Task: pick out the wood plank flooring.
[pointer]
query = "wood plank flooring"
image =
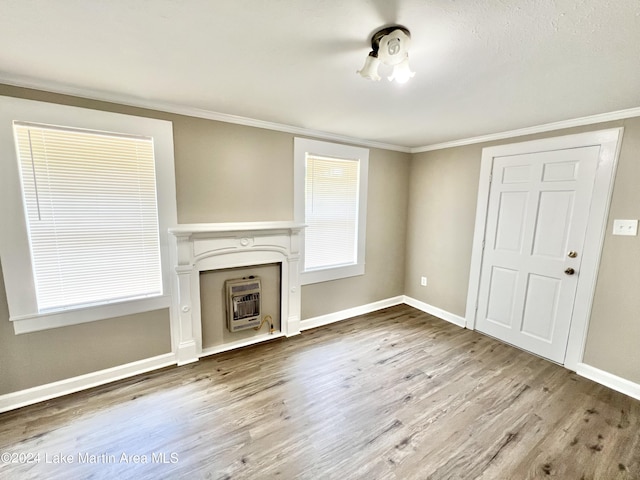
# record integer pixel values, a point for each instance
(396, 394)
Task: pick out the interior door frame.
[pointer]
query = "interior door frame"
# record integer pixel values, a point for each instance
(609, 141)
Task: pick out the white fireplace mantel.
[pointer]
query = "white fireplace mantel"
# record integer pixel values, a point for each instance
(212, 246)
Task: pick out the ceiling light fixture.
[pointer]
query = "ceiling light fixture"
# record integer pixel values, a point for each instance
(389, 46)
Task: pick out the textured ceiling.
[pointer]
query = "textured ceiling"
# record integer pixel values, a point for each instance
(481, 66)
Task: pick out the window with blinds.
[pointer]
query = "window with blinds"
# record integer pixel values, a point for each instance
(331, 212)
(92, 216)
(330, 192)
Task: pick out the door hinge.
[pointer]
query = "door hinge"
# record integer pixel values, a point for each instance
(490, 177)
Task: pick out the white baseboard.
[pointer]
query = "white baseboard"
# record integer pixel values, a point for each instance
(48, 391)
(350, 312)
(607, 379)
(435, 311)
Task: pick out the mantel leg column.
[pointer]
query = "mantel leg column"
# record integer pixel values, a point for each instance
(187, 346)
(295, 294)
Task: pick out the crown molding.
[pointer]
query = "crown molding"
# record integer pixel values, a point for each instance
(547, 127)
(132, 101)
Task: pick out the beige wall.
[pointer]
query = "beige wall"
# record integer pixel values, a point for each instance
(442, 202)
(37, 358)
(231, 173)
(442, 205)
(224, 173)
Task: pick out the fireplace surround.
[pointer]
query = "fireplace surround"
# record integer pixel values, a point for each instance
(211, 246)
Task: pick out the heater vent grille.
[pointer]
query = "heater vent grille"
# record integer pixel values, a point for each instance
(243, 303)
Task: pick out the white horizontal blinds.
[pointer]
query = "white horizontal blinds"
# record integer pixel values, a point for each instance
(331, 212)
(92, 215)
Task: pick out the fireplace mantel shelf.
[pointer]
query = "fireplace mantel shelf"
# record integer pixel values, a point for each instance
(235, 227)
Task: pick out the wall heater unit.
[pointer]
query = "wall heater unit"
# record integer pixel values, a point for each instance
(243, 303)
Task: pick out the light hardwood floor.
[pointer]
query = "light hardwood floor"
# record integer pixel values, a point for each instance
(396, 394)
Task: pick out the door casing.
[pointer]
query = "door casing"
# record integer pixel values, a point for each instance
(609, 141)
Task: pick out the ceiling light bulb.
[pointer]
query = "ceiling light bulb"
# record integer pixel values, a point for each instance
(401, 72)
(370, 69)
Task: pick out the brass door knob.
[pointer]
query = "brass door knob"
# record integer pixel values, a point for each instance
(572, 254)
(569, 271)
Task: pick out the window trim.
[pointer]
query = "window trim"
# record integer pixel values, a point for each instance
(14, 243)
(302, 146)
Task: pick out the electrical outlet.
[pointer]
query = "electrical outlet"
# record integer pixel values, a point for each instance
(423, 281)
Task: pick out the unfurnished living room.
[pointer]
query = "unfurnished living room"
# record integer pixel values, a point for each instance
(373, 239)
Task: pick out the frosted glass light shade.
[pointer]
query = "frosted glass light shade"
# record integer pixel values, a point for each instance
(401, 72)
(370, 68)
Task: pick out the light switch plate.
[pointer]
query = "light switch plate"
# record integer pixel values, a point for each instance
(625, 227)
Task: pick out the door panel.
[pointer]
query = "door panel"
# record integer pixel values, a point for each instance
(509, 230)
(541, 307)
(501, 293)
(516, 174)
(560, 172)
(538, 210)
(552, 226)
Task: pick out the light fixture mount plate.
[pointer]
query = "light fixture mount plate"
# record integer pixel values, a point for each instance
(391, 42)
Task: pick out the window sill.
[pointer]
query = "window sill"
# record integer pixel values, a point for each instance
(64, 318)
(328, 274)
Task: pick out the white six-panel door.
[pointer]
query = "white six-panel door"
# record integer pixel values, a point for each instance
(537, 219)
